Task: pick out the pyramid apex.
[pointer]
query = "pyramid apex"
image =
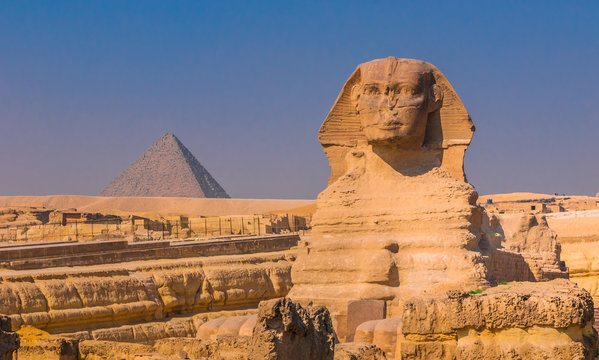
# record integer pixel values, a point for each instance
(169, 138)
(168, 135)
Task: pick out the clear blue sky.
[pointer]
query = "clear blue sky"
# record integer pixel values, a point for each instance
(87, 86)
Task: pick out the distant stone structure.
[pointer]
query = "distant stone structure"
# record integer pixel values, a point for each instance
(538, 204)
(168, 168)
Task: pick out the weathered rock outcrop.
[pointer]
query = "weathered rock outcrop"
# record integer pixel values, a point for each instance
(578, 234)
(228, 326)
(9, 341)
(109, 350)
(280, 330)
(358, 351)
(520, 247)
(285, 330)
(107, 296)
(550, 320)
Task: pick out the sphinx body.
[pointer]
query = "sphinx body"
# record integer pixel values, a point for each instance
(398, 218)
(381, 234)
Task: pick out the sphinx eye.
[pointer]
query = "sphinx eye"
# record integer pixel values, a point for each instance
(394, 90)
(410, 90)
(372, 90)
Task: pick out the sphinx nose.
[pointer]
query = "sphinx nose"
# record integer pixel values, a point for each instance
(391, 103)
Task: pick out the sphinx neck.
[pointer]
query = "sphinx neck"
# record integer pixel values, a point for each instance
(408, 161)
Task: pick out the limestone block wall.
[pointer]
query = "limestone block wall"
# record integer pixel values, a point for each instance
(67, 300)
(521, 247)
(578, 232)
(69, 253)
(551, 320)
(278, 329)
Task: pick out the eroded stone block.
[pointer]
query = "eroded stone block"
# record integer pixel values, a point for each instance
(360, 311)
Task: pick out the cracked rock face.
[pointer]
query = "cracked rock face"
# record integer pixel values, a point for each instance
(519, 320)
(358, 351)
(550, 320)
(286, 330)
(9, 341)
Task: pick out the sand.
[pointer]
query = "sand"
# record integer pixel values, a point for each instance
(163, 205)
(522, 196)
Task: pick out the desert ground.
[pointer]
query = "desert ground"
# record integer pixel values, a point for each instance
(155, 205)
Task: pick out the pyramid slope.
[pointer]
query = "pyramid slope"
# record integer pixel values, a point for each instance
(167, 168)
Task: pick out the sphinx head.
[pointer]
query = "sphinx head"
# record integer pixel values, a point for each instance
(394, 99)
(404, 104)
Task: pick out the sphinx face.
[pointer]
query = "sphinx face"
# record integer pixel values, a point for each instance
(394, 110)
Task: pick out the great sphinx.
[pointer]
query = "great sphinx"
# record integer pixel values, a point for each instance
(398, 218)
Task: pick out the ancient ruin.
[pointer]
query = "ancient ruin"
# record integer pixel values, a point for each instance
(551, 320)
(575, 220)
(29, 225)
(398, 218)
(400, 262)
(168, 168)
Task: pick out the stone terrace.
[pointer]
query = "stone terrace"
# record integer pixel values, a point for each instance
(44, 255)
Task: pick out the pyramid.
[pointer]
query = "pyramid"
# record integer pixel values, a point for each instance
(168, 168)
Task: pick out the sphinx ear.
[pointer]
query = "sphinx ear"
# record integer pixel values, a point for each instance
(436, 98)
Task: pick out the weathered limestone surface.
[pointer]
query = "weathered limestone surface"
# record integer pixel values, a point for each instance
(398, 218)
(578, 233)
(358, 351)
(63, 300)
(9, 341)
(360, 311)
(226, 347)
(49, 349)
(170, 348)
(521, 247)
(285, 330)
(227, 326)
(109, 350)
(281, 330)
(551, 320)
(150, 332)
(58, 254)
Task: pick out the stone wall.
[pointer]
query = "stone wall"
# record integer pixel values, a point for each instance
(42, 255)
(281, 330)
(551, 320)
(578, 232)
(521, 247)
(67, 300)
